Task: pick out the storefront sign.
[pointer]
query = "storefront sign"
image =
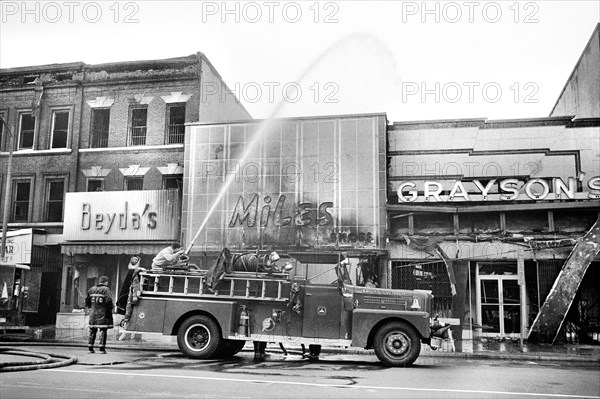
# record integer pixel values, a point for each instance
(122, 215)
(305, 214)
(287, 184)
(498, 190)
(18, 247)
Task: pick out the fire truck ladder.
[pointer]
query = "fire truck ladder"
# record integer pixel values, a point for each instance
(237, 286)
(551, 317)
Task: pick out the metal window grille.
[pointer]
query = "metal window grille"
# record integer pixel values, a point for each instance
(583, 319)
(133, 184)
(176, 127)
(173, 183)
(548, 271)
(587, 305)
(138, 126)
(100, 123)
(433, 276)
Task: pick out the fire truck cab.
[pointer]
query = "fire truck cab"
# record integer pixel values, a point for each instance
(275, 307)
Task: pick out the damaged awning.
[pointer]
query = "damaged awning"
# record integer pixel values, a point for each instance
(333, 257)
(15, 265)
(113, 248)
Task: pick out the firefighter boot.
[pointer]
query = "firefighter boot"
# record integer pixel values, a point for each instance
(259, 351)
(92, 339)
(103, 340)
(313, 352)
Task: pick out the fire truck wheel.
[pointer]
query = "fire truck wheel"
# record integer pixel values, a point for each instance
(230, 347)
(397, 344)
(199, 337)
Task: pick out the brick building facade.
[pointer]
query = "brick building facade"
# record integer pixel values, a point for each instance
(84, 128)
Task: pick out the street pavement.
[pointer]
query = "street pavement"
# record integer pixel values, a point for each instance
(154, 371)
(148, 345)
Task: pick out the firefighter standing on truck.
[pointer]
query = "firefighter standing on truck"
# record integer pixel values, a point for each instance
(169, 256)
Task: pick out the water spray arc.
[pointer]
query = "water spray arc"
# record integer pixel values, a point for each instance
(266, 123)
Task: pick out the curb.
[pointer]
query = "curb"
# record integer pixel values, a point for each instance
(539, 357)
(582, 358)
(138, 347)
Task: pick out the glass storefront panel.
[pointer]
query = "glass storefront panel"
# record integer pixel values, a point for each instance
(499, 298)
(489, 291)
(490, 318)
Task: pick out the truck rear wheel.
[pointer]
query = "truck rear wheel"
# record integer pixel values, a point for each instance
(397, 344)
(199, 337)
(230, 347)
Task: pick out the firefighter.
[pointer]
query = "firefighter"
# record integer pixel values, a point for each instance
(99, 302)
(135, 287)
(169, 256)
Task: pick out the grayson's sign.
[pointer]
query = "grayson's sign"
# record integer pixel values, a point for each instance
(122, 215)
(499, 190)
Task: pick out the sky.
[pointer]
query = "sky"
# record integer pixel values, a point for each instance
(413, 60)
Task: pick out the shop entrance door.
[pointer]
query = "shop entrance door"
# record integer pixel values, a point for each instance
(499, 300)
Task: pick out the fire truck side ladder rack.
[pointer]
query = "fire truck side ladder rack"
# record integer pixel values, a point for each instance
(254, 287)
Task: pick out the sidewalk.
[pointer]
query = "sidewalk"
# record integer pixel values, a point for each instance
(146, 344)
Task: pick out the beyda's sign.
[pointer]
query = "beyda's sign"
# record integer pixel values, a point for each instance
(122, 215)
(122, 220)
(507, 190)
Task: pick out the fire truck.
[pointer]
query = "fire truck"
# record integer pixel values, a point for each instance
(280, 308)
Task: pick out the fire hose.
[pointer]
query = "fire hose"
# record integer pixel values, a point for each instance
(46, 361)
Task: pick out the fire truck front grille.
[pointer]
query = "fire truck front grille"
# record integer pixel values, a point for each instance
(385, 300)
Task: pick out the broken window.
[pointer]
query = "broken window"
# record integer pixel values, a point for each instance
(21, 190)
(64, 76)
(55, 191)
(26, 131)
(100, 122)
(60, 129)
(30, 79)
(95, 185)
(139, 118)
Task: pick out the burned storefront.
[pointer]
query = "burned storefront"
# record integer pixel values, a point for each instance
(28, 277)
(486, 214)
(311, 189)
(102, 230)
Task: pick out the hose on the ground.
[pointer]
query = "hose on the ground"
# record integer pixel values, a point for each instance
(46, 363)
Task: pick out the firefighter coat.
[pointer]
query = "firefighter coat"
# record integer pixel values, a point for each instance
(100, 303)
